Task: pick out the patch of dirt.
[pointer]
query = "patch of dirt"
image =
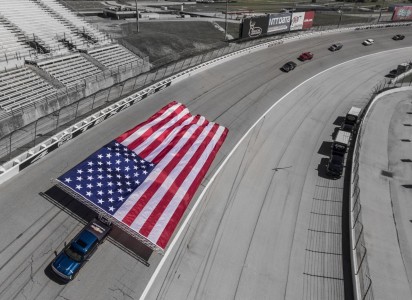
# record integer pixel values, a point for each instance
(171, 40)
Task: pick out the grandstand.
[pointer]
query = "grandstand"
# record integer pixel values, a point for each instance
(69, 69)
(81, 26)
(61, 48)
(12, 41)
(21, 87)
(113, 56)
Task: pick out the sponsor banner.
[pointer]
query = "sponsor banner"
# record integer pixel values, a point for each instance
(297, 21)
(254, 27)
(67, 137)
(37, 156)
(279, 22)
(308, 20)
(402, 13)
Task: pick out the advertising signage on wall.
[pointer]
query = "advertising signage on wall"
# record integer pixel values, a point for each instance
(402, 13)
(275, 23)
(297, 21)
(279, 22)
(254, 27)
(308, 20)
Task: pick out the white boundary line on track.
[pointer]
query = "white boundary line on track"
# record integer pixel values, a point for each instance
(189, 216)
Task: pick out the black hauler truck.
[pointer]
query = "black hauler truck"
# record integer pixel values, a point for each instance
(338, 150)
(341, 142)
(351, 119)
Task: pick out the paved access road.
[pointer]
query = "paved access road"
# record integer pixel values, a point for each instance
(251, 233)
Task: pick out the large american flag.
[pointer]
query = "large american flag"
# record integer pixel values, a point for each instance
(146, 177)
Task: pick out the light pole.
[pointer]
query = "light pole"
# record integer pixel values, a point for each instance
(380, 11)
(227, 1)
(340, 16)
(137, 17)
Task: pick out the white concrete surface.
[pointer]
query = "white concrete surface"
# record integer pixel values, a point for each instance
(386, 205)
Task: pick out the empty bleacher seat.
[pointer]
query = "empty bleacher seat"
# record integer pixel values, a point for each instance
(113, 56)
(69, 69)
(78, 22)
(21, 87)
(37, 24)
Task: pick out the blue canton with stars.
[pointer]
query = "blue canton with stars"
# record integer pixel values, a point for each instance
(108, 176)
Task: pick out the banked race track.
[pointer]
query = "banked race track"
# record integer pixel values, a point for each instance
(267, 223)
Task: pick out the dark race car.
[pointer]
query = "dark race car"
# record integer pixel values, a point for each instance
(71, 259)
(289, 66)
(306, 56)
(368, 42)
(335, 47)
(398, 37)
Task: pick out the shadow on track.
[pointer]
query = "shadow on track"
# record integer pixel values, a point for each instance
(83, 214)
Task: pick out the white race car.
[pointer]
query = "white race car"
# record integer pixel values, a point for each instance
(368, 42)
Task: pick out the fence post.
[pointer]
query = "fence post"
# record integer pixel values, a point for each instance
(190, 63)
(35, 133)
(121, 92)
(181, 67)
(165, 72)
(145, 79)
(220, 54)
(108, 94)
(94, 98)
(154, 78)
(75, 115)
(198, 58)
(135, 83)
(173, 71)
(11, 134)
(203, 58)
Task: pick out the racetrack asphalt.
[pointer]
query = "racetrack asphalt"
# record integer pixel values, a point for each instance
(251, 235)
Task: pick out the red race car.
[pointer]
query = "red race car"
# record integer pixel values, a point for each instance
(306, 56)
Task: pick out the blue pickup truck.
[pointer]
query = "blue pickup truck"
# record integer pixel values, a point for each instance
(74, 255)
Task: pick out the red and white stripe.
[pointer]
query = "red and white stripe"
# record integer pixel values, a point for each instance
(183, 147)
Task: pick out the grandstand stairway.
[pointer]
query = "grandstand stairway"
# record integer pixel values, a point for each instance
(94, 61)
(46, 76)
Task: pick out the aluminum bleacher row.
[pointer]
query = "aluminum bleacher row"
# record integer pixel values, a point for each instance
(21, 87)
(69, 69)
(47, 35)
(80, 24)
(113, 56)
(11, 41)
(42, 26)
(36, 24)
